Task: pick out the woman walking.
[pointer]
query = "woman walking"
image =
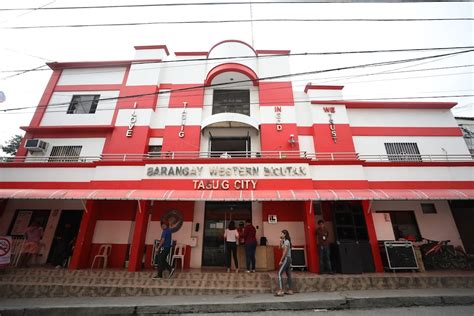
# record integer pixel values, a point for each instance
(285, 263)
(231, 236)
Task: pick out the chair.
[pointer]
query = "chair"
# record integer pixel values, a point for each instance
(104, 253)
(179, 253)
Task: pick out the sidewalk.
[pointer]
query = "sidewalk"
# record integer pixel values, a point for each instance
(234, 303)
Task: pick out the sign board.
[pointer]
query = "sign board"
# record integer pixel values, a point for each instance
(21, 223)
(400, 255)
(272, 219)
(5, 250)
(298, 258)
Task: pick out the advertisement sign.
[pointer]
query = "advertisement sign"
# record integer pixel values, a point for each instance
(5, 250)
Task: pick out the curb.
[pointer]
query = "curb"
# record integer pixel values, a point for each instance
(343, 301)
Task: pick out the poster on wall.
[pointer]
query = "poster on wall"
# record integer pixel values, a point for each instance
(5, 250)
(21, 223)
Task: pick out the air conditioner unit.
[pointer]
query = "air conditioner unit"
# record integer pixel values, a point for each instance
(36, 145)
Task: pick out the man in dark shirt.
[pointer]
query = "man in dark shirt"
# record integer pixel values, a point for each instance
(164, 248)
(322, 235)
(250, 245)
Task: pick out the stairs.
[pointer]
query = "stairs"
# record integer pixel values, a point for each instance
(44, 282)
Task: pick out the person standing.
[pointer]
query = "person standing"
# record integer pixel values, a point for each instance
(164, 248)
(231, 237)
(285, 264)
(322, 235)
(33, 236)
(250, 242)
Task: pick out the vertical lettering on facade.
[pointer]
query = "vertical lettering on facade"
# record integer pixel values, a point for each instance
(183, 120)
(332, 127)
(132, 122)
(279, 126)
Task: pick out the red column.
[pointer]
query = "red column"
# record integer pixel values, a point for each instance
(372, 237)
(139, 234)
(310, 234)
(80, 256)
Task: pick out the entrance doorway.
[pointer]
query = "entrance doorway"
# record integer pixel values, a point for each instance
(217, 218)
(64, 237)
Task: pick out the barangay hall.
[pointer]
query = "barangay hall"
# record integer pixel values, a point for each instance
(203, 138)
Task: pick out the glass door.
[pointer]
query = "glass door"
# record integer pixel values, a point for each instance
(217, 218)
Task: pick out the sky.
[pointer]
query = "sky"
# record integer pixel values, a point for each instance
(30, 48)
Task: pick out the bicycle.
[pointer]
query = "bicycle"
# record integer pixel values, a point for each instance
(440, 255)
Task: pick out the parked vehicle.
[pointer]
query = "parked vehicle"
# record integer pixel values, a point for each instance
(439, 255)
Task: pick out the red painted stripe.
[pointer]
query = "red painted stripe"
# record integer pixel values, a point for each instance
(116, 258)
(389, 105)
(164, 47)
(89, 87)
(305, 130)
(414, 185)
(43, 103)
(323, 142)
(115, 210)
(80, 129)
(263, 184)
(191, 53)
(231, 67)
(310, 86)
(286, 211)
(272, 52)
(406, 131)
(156, 132)
(276, 93)
(98, 64)
(194, 96)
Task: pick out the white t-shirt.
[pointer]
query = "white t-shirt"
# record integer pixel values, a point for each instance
(231, 235)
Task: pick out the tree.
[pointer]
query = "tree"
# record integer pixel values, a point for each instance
(11, 145)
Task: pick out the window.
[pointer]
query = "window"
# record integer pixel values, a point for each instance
(65, 153)
(404, 225)
(154, 151)
(83, 104)
(231, 101)
(403, 152)
(428, 208)
(230, 146)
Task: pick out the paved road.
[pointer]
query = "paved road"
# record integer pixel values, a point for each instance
(403, 311)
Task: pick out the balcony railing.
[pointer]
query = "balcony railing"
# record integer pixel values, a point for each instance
(189, 155)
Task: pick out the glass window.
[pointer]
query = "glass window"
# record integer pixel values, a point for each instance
(231, 101)
(83, 104)
(154, 151)
(405, 225)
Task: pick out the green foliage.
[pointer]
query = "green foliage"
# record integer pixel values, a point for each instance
(11, 145)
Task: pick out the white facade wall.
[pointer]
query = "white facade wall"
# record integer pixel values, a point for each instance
(233, 49)
(89, 76)
(198, 218)
(337, 172)
(113, 232)
(402, 117)
(406, 173)
(320, 117)
(192, 72)
(144, 74)
(306, 144)
(427, 145)
(319, 95)
(143, 117)
(268, 115)
(270, 66)
(440, 226)
(56, 113)
(302, 108)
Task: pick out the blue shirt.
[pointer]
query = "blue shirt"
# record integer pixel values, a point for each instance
(166, 235)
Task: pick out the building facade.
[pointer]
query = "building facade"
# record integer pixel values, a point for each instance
(202, 138)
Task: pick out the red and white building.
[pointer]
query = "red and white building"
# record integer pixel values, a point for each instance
(115, 146)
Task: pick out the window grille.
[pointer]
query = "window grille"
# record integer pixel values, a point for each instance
(65, 153)
(403, 152)
(231, 101)
(83, 104)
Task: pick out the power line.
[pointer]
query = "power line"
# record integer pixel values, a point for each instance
(264, 78)
(298, 101)
(267, 56)
(191, 4)
(230, 21)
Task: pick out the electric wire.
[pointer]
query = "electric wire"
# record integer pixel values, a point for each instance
(264, 78)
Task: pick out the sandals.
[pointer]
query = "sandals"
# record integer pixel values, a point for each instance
(280, 293)
(289, 292)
